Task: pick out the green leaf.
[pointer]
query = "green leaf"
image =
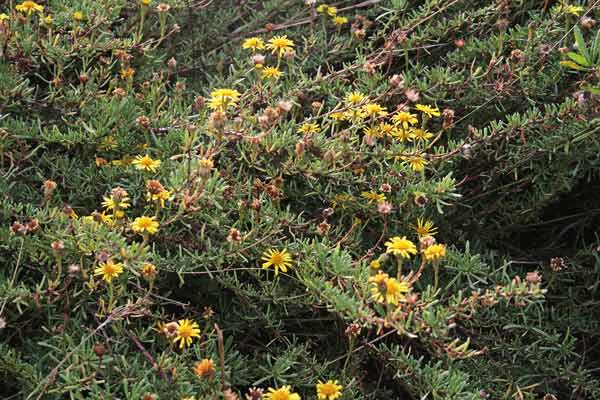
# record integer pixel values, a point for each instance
(593, 90)
(579, 59)
(581, 43)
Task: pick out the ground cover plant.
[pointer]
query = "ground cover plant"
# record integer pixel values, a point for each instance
(293, 199)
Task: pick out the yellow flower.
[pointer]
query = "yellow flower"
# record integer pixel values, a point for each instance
(4, 17)
(204, 368)
(434, 252)
(405, 119)
(279, 260)
(402, 135)
(421, 134)
(186, 331)
(424, 228)
(337, 116)
(283, 393)
(159, 197)
(309, 128)
(145, 2)
(401, 246)
(109, 270)
(29, 7)
(430, 111)
(253, 43)
(280, 44)
(113, 203)
(148, 271)
(375, 264)
(337, 20)
(566, 8)
(354, 98)
(127, 73)
(78, 16)
(145, 224)
(373, 131)
(271, 73)
(386, 129)
(374, 110)
(355, 115)
(329, 390)
(417, 163)
(221, 99)
(329, 10)
(48, 19)
(388, 290)
(374, 197)
(145, 163)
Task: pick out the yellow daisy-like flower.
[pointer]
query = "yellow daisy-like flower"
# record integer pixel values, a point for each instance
(4, 17)
(127, 73)
(109, 270)
(283, 393)
(337, 116)
(113, 204)
(374, 110)
(271, 73)
(308, 128)
(355, 115)
(373, 131)
(430, 111)
(388, 290)
(325, 9)
(148, 271)
(253, 43)
(417, 163)
(374, 197)
(424, 228)
(280, 44)
(145, 225)
(354, 98)
(159, 198)
(375, 264)
(146, 163)
(279, 260)
(400, 246)
(329, 390)
(434, 252)
(78, 16)
(566, 8)
(221, 99)
(386, 129)
(186, 331)
(145, 2)
(402, 135)
(405, 119)
(421, 134)
(338, 21)
(204, 368)
(29, 7)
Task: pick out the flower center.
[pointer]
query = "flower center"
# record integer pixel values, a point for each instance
(277, 259)
(185, 331)
(328, 389)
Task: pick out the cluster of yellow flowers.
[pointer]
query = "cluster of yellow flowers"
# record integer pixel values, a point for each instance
(280, 46)
(388, 290)
(564, 8)
(331, 11)
(330, 390)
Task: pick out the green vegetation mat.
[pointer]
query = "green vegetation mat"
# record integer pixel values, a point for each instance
(287, 199)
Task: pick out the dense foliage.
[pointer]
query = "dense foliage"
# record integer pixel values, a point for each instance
(285, 199)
